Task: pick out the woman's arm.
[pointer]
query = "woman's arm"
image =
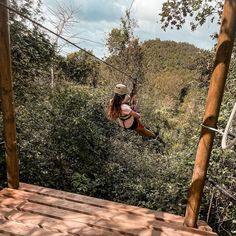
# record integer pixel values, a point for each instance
(135, 114)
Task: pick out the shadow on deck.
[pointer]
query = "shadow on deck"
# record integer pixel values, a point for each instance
(33, 210)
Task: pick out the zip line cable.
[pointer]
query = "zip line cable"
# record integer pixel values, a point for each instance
(131, 6)
(85, 39)
(73, 44)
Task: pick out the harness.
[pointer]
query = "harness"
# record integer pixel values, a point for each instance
(123, 118)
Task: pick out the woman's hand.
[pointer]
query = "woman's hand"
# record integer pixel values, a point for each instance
(133, 100)
(133, 103)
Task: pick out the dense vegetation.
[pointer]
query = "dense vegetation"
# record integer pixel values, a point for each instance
(65, 141)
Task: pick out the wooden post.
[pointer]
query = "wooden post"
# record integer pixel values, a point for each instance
(7, 100)
(213, 102)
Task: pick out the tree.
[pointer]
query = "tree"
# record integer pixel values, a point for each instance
(119, 38)
(125, 50)
(29, 8)
(30, 45)
(81, 68)
(62, 20)
(217, 208)
(32, 55)
(175, 12)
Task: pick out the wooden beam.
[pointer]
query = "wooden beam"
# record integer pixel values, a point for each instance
(213, 102)
(6, 92)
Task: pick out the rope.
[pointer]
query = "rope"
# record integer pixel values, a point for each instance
(210, 205)
(223, 190)
(224, 143)
(73, 44)
(213, 129)
(220, 131)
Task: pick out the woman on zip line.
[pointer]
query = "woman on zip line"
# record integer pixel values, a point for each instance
(119, 109)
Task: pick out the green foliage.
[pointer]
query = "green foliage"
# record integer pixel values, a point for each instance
(119, 38)
(66, 142)
(174, 13)
(169, 55)
(178, 116)
(222, 167)
(32, 55)
(126, 52)
(29, 8)
(70, 136)
(81, 68)
(216, 207)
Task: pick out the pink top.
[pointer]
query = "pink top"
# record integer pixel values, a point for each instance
(125, 110)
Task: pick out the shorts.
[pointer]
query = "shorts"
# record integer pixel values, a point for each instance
(134, 125)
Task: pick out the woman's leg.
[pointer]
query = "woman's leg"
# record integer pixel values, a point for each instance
(144, 132)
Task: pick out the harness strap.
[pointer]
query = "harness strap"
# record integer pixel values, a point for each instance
(126, 117)
(123, 119)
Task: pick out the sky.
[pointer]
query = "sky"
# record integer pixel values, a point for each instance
(96, 18)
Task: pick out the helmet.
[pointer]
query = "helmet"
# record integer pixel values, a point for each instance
(121, 89)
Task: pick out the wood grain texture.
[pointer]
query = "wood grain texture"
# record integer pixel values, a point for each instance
(34, 210)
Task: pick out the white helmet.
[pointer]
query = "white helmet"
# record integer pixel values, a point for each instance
(121, 89)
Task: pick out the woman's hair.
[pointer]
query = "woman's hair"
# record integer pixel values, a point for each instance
(114, 106)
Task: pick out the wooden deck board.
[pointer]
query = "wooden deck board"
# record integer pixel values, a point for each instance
(34, 208)
(83, 208)
(100, 202)
(58, 215)
(85, 213)
(46, 222)
(15, 228)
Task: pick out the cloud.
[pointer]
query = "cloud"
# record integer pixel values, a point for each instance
(96, 18)
(200, 37)
(102, 10)
(146, 10)
(148, 19)
(96, 32)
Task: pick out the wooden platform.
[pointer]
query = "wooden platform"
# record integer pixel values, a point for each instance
(33, 210)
